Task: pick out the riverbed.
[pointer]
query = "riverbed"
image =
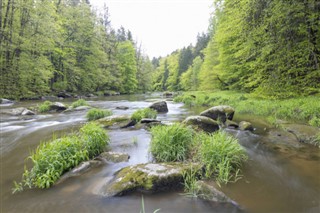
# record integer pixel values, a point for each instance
(276, 178)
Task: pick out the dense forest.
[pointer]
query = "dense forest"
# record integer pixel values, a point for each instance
(65, 45)
(268, 48)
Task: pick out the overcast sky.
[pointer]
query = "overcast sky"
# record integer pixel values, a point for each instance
(162, 26)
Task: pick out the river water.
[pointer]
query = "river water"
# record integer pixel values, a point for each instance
(276, 178)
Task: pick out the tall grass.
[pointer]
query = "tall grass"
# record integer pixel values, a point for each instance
(45, 106)
(144, 113)
(302, 109)
(221, 155)
(80, 102)
(52, 159)
(171, 143)
(95, 114)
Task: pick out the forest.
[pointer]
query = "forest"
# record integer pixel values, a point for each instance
(267, 48)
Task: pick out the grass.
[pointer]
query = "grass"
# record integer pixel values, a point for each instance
(190, 178)
(53, 158)
(45, 106)
(221, 155)
(95, 114)
(143, 113)
(302, 109)
(80, 102)
(171, 143)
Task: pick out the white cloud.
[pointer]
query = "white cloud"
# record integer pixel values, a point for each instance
(161, 25)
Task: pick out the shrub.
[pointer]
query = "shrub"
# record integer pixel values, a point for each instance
(80, 102)
(52, 159)
(95, 114)
(221, 155)
(144, 113)
(171, 143)
(45, 106)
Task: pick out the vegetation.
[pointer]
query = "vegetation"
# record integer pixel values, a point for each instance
(190, 178)
(80, 102)
(52, 159)
(171, 143)
(95, 114)
(45, 106)
(144, 113)
(303, 109)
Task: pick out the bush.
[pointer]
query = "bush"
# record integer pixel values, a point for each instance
(143, 113)
(171, 143)
(52, 159)
(221, 154)
(80, 102)
(45, 107)
(95, 114)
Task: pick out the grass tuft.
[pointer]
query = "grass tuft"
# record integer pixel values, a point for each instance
(95, 114)
(80, 102)
(143, 113)
(45, 106)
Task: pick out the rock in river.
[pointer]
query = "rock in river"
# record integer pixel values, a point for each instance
(244, 125)
(150, 177)
(116, 121)
(221, 113)
(159, 106)
(17, 111)
(114, 157)
(201, 122)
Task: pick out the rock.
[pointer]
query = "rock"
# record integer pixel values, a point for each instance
(211, 193)
(49, 98)
(64, 94)
(221, 113)
(6, 101)
(14, 112)
(57, 106)
(122, 107)
(79, 108)
(231, 124)
(150, 177)
(167, 94)
(149, 120)
(303, 133)
(116, 121)
(91, 95)
(201, 122)
(27, 112)
(114, 157)
(244, 125)
(160, 106)
(80, 169)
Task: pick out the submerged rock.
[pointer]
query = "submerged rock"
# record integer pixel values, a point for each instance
(244, 125)
(303, 133)
(122, 107)
(159, 106)
(150, 177)
(114, 157)
(79, 108)
(116, 121)
(203, 123)
(219, 113)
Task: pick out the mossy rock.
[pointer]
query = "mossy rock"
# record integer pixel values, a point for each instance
(115, 121)
(219, 113)
(203, 123)
(244, 125)
(159, 106)
(114, 157)
(150, 177)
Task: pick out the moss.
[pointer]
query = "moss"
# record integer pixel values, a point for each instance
(116, 120)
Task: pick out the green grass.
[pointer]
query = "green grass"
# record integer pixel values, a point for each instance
(143, 113)
(171, 143)
(221, 155)
(190, 178)
(80, 102)
(53, 158)
(302, 109)
(95, 114)
(45, 106)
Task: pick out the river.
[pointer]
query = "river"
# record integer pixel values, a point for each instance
(275, 179)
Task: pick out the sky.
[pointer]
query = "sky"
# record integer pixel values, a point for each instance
(161, 26)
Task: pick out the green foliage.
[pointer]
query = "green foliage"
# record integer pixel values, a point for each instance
(144, 113)
(95, 114)
(190, 178)
(80, 102)
(52, 159)
(221, 154)
(171, 143)
(315, 121)
(45, 107)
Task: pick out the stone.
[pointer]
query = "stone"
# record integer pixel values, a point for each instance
(303, 133)
(13, 112)
(64, 94)
(219, 113)
(159, 106)
(149, 120)
(149, 177)
(231, 124)
(116, 121)
(203, 123)
(114, 157)
(57, 106)
(167, 94)
(245, 125)
(79, 108)
(122, 107)
(6, 101)
(27, 112)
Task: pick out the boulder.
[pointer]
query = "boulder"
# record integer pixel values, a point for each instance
(210, 192)
(150, 177)
(27, 112)
(167, 94)
(79, 108)
(159, 106)
(6, 101)
(64, 94)
(57, 106)
(122, 107)
(231, 124)
(114, 157)
(203, 123)
(221, 113)
(13, 112)
(149, 120)
(244, 125)
(116, 121)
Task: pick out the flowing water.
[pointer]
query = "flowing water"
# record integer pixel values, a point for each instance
(277, 178)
